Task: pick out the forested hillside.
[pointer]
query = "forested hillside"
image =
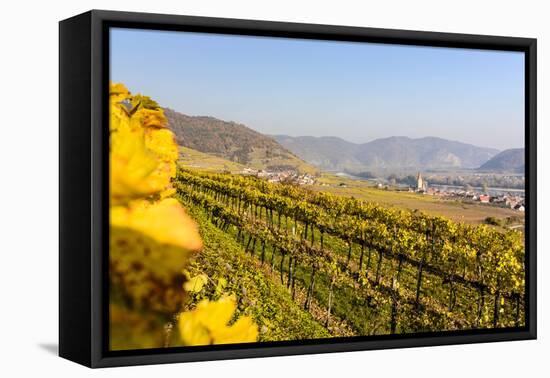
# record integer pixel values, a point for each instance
(234, 142)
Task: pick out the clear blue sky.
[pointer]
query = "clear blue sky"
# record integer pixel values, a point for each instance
(355, 91)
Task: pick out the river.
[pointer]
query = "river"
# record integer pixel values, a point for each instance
(447, 188)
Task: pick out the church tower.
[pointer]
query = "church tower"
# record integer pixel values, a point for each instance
(419, 182)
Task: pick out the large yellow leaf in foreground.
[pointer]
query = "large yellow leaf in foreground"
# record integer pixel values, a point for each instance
(208, 324)
(150, 244)
(143, 150)
(164, 221)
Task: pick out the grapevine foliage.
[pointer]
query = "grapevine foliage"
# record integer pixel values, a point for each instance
(480, 270)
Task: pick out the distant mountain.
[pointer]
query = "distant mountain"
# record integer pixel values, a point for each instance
(393, 153)
(238, 143)
(233, 141)
(512, 160)
(429, 152)
(328, 153)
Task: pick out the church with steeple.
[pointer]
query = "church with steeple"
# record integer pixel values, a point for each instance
(421, 184)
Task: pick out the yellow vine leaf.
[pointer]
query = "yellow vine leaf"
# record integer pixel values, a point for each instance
(133, 170)
(208, 324)
(152, 238)
(165, 221)
(118, 92)
(195, 284)
(143, 151)
(163, 144)
(151, 118)
(150, 244)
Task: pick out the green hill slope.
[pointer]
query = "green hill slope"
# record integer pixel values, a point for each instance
(190, 158)
(234, 142)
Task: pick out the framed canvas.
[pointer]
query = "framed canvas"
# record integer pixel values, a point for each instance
(235, 188)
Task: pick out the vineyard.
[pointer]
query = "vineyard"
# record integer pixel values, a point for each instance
(199, 258)
(361, 269)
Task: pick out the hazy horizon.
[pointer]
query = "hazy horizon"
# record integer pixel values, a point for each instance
(386, 137)
(348, 90)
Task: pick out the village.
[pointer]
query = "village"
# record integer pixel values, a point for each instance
(501, 199)
(508, 200)
(288, 176)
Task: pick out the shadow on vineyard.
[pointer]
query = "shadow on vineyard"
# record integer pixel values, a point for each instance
(347, 266)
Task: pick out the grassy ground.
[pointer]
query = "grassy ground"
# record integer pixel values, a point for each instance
(194, 159)
(198, 160)
(259, 161)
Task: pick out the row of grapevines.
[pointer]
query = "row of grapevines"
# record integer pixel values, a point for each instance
(483, 257)
(299, 251)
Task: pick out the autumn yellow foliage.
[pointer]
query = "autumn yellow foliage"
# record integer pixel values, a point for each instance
(208, 324)
(143, 150)
(151, 236)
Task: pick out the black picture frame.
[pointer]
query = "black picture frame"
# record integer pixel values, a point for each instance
(83, 181)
